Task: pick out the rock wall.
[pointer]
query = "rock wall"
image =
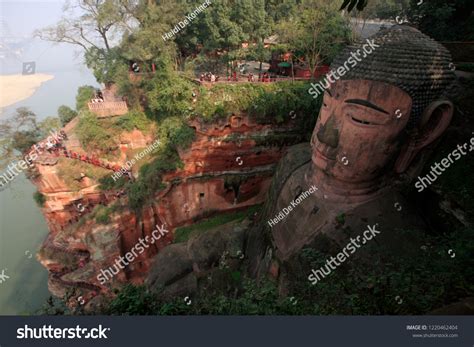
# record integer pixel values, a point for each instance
(228, 167)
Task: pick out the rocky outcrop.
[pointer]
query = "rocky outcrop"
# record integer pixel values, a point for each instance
(228, 167)
(175, 271)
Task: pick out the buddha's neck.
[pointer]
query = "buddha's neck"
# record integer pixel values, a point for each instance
(334, 190)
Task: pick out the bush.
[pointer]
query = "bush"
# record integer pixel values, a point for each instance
(92, 134)
(84, 95)
(39, 198)
(183, 234)
(169, 95)
(426, 280)
(108, 183)
(133, 300)
(133, 120)
(66, 114)
(150, 179)
(176, 132)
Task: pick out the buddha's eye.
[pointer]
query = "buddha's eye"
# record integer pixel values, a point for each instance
(359, 120)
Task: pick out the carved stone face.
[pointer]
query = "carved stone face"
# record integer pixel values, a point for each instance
(359, 130)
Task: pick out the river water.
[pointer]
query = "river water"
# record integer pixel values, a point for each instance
(22, 226)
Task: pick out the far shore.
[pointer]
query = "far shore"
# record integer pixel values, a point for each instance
(15, 88)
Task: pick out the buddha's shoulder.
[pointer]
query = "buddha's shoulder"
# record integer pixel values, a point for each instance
(295, 157)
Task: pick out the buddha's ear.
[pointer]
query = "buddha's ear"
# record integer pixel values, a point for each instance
(434, 121)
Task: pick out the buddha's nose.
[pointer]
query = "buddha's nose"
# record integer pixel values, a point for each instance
(328, 133)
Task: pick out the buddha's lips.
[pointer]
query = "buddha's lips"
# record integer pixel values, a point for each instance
(323, 156)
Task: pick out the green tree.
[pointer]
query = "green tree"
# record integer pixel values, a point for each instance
(20, 132)
(317, 34)
(84, 95)
(259, 53)
(94, 25)
(92, 134)
(66, 114)
(450, 20)
(39, 198)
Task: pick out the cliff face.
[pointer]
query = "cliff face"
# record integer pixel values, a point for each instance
(228, 167)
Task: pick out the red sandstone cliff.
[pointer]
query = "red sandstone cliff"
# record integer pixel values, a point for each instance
(228, 167)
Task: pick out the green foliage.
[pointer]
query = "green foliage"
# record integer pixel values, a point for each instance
(272, 101)
(92, 134)
(176, 132)
(444, 20)
(351, 4)
(21, 131)
(84, 95)
(184, 233)
(259, 53)
(386, 9)
(102, 216)
(425, 280)
(132, 300)
(143, 189)
(318, 35)
(66, 114)
(134, 119)
(469, 67)
(108, 183)
(39, 198)
(341, 218)
(457, 182)
(104, 63)
(55, 307)
(169, 95)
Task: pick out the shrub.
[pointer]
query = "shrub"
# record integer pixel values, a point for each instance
(84, 95)
(133, 300)
(176, 132)
(92, 134)
(134, 119)
(39, 198)
(66, 114)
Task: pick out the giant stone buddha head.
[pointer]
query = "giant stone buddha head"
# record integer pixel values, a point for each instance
(378, 116)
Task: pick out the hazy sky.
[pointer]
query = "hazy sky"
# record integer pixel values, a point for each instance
(19, 19)
(64, 61)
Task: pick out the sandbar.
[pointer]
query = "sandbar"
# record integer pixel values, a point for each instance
(14, 88)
